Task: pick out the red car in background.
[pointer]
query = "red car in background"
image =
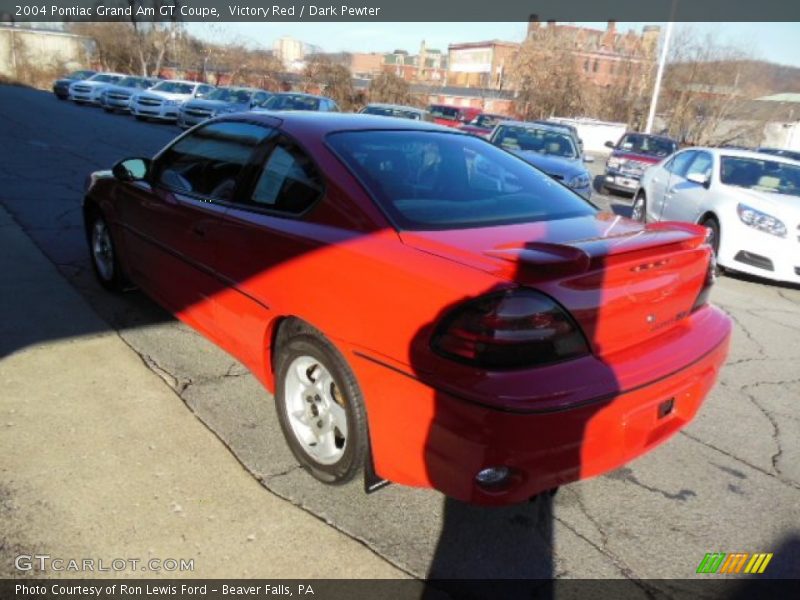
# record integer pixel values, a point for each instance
(483, 124)
(631, 156)
(452, 116)
(424, 306)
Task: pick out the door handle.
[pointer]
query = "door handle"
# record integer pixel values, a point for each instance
(199, 230)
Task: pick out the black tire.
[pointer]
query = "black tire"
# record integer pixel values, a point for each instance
(642, 218)
(61, 97)
(713, 226)
(307, 342)
(114, 279)
(107, 109)
(139, 117)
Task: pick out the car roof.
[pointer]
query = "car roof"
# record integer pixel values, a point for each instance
(315, 123)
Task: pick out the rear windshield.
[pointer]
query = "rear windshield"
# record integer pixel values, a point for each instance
(435, 180)
(174, 87)
(645, 144)
(289, 102)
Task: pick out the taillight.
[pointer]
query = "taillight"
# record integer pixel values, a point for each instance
(708, 283)
(509, 330)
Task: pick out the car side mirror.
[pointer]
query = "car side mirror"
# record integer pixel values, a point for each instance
(588, 159)
(610, 145)
(698, 178)
(132, 169)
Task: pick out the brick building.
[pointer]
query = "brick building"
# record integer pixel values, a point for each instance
(605, 57)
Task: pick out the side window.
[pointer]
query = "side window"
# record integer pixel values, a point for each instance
(701, 165)
(259, 98)
(332, 106)
(207, 162)
(289, 182)
(680, 162)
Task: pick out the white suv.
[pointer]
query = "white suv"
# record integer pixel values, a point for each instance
(89, 90)
(163, 100)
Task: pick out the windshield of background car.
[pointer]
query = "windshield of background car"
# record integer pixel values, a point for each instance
(444, 112)
(760, 175)
(388, 111)
(485, 121)
(644, 144)
(105, 78)
(434, 180)
(288, 102)
(535, 139)
(134, 82)
(229, 95)
(80, 74)
(173, 87)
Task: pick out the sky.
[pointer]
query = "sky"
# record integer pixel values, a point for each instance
(775, 42)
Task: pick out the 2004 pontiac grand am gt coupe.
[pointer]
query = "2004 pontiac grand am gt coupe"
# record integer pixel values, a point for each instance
(422, 303)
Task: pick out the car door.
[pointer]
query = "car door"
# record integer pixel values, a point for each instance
(685, 198)
(660, 182)
(173, 222)
(266, 234)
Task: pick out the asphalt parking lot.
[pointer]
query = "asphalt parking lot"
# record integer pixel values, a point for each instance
(730, 482)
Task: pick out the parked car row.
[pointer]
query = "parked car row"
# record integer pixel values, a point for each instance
(186, 103)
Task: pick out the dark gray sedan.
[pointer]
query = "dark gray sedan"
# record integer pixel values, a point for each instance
(548, 148)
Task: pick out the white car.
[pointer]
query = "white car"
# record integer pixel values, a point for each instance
(749, 201)
(163, 100)
(89, 90)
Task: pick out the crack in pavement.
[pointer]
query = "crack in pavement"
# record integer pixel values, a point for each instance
(776, 432)
(710, 446)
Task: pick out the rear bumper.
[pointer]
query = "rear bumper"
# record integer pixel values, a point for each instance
(426, 437)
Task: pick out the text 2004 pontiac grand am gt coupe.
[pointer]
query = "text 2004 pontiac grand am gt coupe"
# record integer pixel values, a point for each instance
(420, 301)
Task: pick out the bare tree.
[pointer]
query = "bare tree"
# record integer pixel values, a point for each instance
(388, 87)
(707, 86)
(331, 79)
(546, 77)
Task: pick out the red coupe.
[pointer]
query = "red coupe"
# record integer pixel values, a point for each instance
(422, 304)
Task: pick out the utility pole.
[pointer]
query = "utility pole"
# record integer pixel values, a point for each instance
(651, 115)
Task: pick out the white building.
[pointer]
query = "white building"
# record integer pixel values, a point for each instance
(29, 49)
